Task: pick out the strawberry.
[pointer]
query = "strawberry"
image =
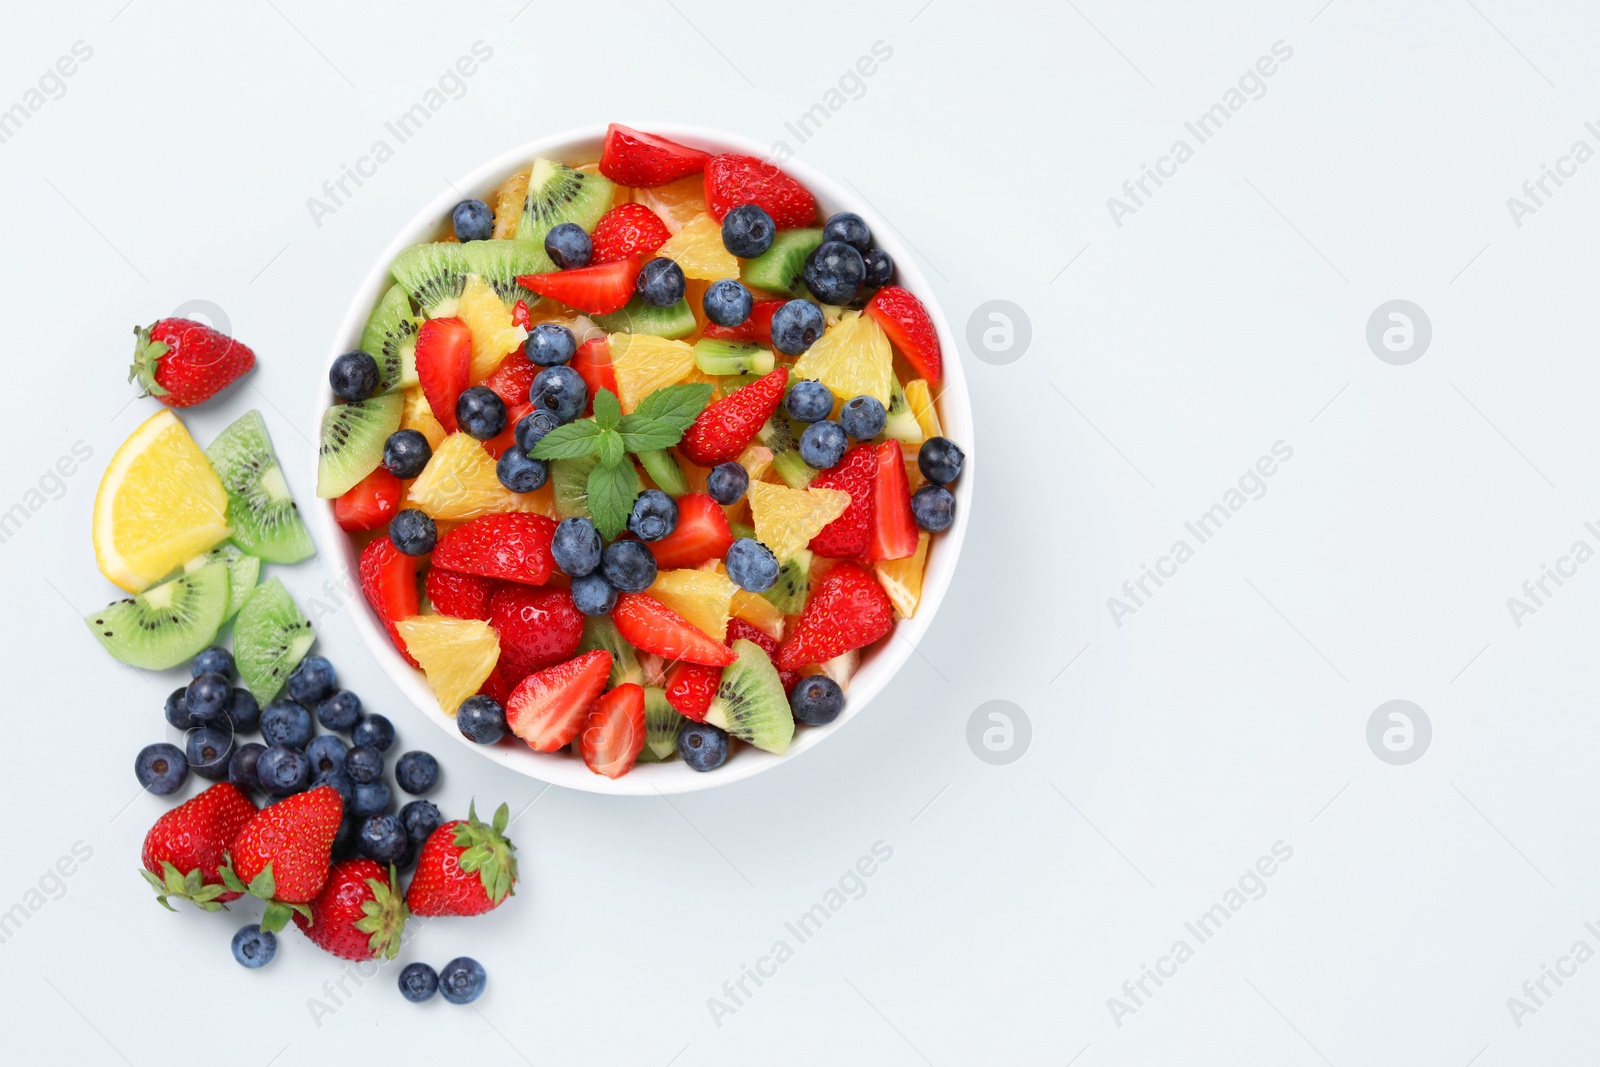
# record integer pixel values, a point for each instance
(462, 596)
(894, 530)
(650, 626)
(444, 366)
(850, 535)
(547, 708)
(739, 629)
(722, 430)
(702, 534)
(732, 180)
(511, 382)
(281, 855)
(182, 363)
(359, 914)
(496, 446)
(757, 328)
(625, 231)
(910, 330)
(465, 867)
(848, 609)
(184, 849)
(520, 315)
(389, 581)
(538, 628)
(594, 290)
(690, 687)
(613, 731)
(593, 364)
(643, 160)
(498, 685)
(514, 546)
(370, 503)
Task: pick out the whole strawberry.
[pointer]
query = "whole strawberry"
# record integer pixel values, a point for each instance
(359, 914)
(182, 363)
(465, 867)
(185, 848)
(281, 855)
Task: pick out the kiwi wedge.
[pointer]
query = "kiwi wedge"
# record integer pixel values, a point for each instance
(391, 339)
(243, 573)
(750, 703)
(556, 194)
(600, 632)
(781, 268)
(781, 440)
(569, 482)
(270, 637)
(265, 521)
(739, 529)
(716, 357)
(352, 441)
(901, 424)
(665, 472)
(166, 624)
(661, 725)
(788, 594)
(434, 274)
(673, 323)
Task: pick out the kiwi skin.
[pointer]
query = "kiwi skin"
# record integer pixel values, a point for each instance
(750, 702)
(352, 441)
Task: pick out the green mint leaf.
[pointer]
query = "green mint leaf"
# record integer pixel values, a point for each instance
(679, 405)
(572, 441)
(612, 487)
(612, 449)
(648, 435)
(607, 410)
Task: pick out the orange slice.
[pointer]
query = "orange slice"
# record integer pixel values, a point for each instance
(787, 519)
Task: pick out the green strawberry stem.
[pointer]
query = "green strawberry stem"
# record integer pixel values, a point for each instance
(264, 885)
(489, 852)
(147, 353)
(384, 916)
(190, 887)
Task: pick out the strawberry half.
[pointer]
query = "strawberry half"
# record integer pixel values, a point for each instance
(739, 629)
(702, 534)
(650, 626)
(850, 535)
(389, 582)
(732, 180)
(594, 290)
(757, 328)
(690, 687)
(723, 429)
(643, 160)
(625, 231)
(370, 503)
(444, 366)
(281, 855)
(548, 707)
(182, 363)
(183, 851)
(461, 596)
(360, 913)
(613, 731)
(514, 546)
(538, 628)
(848, 610)
(910, 330)
(511, 382)
(894, 529)
(466, 867)
(593, 364)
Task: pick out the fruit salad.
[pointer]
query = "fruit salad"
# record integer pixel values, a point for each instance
(641, 455)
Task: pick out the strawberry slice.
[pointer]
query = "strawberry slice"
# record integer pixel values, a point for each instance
(732, 180)
(850, 535)
(849, 609)
(690, 687)
(461, 596)
(511, 382)
(548, 707)
(497, 445)
(613, 731)
(389, 582)
(593, 364)
(594, 290)
(370, 503)
(723, 429)
(910, 330)
(702, 534)
(739, 629)
(444, 366)
(643, 160)
(627, 230)
(650, 626)
(894, 530)
(756, 328)
(538, 628)
(520, 315)
(514, 546)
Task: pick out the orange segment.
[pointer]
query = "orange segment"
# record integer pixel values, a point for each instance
(852, 359)
(418, 416)
(459, 483)
(701, 596)
(698, 249)
(902, 578)
(493, 335)
(921, 401)
(644, 363)
(758, 611)
(676, 202)
(787, 519)
(456, 655)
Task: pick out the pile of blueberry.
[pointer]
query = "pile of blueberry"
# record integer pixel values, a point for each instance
(461, 981)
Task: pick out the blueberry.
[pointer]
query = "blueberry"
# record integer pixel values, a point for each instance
(461, 981)
(519, 472)
(939, 460)
(312, 679)
(592, 594)
(817, 700)
(702, 746)
(654, 515)
(208, 751)
(481, 719)
(560, 391)
(420, 819)
(243, 711)
(339, 710)
(727, 482)
(283, 771)
(413, 532)
(808, 401)
(933, 507)
(374, 730)
(383, 840)
(796, 327)
(850, 228)
(406, 452)
(242, 766)
(372, 798)
(286, 722)
(326, 753)
(208, 699)
(254, 947)
(727, 303)
(473, 221)
(568, 246)
(576, 547)
(212, 661)
(835, 272)
(863, 417)
(747, 231)
(550, 344)
(628, 566)
(363, 764)
(177, 709)
(161, 768)
(480, 412)
(532, 428)
(339, 782)
(418, 982)
(354, 376)
(822, 445)
(661, 283)
(880, 268)
(751, 565)
(416, 773)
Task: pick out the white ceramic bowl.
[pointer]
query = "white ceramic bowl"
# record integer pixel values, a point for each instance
(878, 665)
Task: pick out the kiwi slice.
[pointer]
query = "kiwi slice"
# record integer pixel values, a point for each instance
(901, 424)
(788, 594)
(732, 357)
(557, 194)
(166, 624)
(661, 725)
(665, 472)
(750, 703)
(243, 573)
(391, 339)
(352, 441)
(261, 511)
(781, 268)
(569, 482)
(673, 323)
(269, 638)
(600, 632)
(739, 529)
(434, 274)
(784, 444)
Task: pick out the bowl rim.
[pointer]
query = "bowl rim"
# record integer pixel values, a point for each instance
(876, 670)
